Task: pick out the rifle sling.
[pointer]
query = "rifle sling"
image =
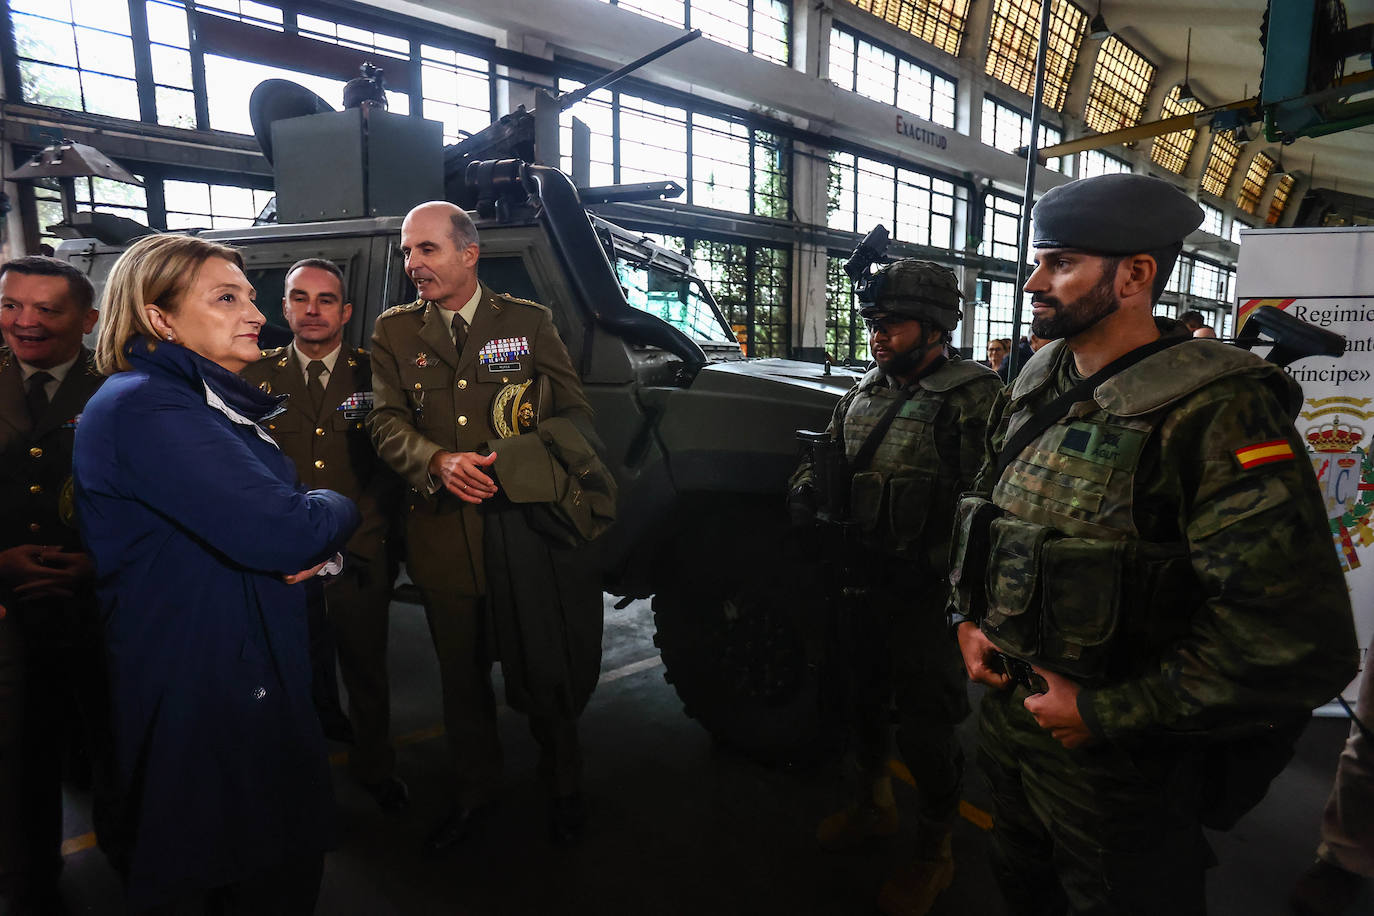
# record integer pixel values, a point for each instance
(1048, 415)
(869, 448)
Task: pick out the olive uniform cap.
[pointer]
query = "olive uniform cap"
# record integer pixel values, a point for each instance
(1114, 215)
(914, 289)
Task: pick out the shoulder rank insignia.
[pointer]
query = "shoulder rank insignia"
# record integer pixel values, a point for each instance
(1264, 453)
(265, 386)
(421, 360)
(503, 355)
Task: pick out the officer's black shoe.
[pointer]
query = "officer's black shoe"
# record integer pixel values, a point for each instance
(454, 829)
(335, 724)
(390, 794)
(567, 819)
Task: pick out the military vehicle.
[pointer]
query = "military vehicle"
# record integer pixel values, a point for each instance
(700, 438)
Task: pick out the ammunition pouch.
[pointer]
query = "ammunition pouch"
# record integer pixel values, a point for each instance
(1088, 608)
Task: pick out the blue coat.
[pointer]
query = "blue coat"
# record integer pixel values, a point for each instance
(192, 519)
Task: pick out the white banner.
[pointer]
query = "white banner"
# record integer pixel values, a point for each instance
(1326, 277)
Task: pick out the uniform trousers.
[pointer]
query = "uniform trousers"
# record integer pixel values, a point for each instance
(457, 624)
(1096, 830)
(905, 658)
(1348, 823)
(359, 611)
(53, 697)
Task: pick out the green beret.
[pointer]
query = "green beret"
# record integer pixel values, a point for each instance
(1114, 215)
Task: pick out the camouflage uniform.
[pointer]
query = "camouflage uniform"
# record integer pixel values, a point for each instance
(1165, 546)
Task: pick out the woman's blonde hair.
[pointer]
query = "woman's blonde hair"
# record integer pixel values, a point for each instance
(156, 270)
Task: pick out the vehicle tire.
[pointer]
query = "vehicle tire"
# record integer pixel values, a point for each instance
(740, 622)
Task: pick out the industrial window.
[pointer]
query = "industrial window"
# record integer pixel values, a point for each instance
(1173, 150)
(652, 141)
(1014, 37)
(914, 206)
(1211, 219)
(1001, 225)
(1179, 278)
(760, 27)
(939, 22)
(1096, 162)
(259, 14)
(890, 77)
(752, 286)
(846, 339)
(456, 90)
(197, 204)
(76, 54)
(99, 194)
(1256, 177)
(735, 167)
(1208, 281)
(1008, 129)
(1121, 82)
(169, 46)
(723, 163)
(1279, 203)
(992, 313)
(1221, 164)
(352, 37)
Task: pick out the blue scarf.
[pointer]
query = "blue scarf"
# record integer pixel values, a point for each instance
(167, 358)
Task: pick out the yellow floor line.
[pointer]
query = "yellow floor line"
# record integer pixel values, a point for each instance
(78, 844)
(971, 813)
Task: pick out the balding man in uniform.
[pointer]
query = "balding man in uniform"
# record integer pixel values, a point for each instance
(50, 661)
(438, 365)
(1149, 558)
(322, 431)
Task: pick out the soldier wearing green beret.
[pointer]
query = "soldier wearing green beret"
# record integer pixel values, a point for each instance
(912, 431)
(322, 431)
(1145, 577)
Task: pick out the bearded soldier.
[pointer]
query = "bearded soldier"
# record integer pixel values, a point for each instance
(1146, 577)
(911, 433)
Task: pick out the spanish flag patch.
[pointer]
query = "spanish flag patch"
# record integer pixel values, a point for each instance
(1264, 453)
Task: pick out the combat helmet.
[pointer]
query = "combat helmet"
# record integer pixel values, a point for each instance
(912, 288)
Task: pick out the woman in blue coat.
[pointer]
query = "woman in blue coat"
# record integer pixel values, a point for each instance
(200, 535)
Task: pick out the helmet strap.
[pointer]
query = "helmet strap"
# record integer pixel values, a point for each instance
(905, 363)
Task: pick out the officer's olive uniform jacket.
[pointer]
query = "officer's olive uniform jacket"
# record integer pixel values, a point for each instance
(904, 500)
(331, 449)
(1144, 550)
(429, 397)
(36, 461)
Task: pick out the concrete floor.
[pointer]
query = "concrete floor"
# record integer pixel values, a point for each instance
(678, 825)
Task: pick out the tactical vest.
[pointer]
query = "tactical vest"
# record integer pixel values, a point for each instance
(910, 486)
(1067, 578)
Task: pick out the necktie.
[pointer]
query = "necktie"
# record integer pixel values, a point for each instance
(314, 386)
(460, 331)
(38, 395)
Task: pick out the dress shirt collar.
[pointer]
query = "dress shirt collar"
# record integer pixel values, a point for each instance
(58, 373)
(330, 360)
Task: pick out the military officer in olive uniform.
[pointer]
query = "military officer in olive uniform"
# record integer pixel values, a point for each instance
(438, 365)
(50, 661)
(1149, 538)
(912, 433)
(322, 430)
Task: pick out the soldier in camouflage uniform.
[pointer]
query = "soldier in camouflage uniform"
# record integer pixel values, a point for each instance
(902, 493)
(1155, 546)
